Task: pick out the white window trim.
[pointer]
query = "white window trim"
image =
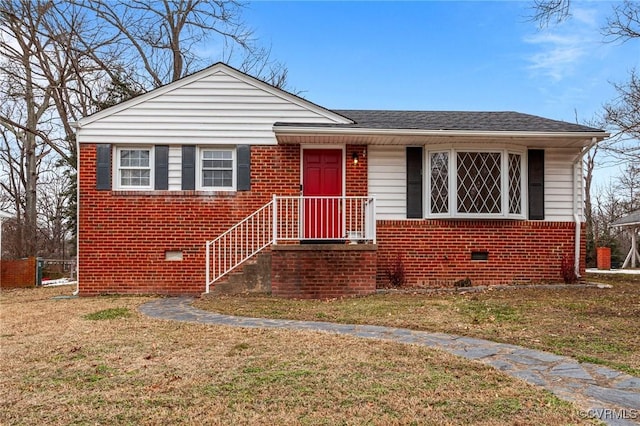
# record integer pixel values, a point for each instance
(453, 183)
(427, 185)
(523, 180)
(234, 171)
(117, 168)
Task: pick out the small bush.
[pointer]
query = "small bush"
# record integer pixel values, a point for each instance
(463, 283)
(568, 270)
(396, 273)
(108, 314)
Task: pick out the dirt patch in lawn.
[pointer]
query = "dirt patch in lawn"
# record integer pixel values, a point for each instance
(589, 324)
(99, 361)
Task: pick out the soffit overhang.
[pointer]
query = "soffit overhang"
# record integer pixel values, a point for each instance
(408, 137)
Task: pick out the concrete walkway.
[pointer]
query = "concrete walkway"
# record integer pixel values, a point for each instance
(600, 392)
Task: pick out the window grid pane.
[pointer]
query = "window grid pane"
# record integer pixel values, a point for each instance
(217, 169)
(515, 177)
(479, 182)
(440, 182)
(134, 169)
(217, 178)
(135, 177)
(134, 158)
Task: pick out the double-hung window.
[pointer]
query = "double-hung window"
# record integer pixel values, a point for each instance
(217, 169)
(134, 168)
(472, 183)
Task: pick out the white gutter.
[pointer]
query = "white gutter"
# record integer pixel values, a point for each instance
(304, 130)
(75, 293)
(576, 215)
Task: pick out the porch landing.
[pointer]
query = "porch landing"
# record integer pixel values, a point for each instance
(323, 271)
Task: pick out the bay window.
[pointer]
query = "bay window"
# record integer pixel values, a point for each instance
(475, 183)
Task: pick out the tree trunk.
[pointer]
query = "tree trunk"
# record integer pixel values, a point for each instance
(31, 212)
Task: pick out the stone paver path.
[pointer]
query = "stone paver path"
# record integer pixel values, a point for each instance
(610, 395)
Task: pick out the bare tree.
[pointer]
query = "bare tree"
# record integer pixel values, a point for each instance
(611, 202)
(624, 22)
(163, 40)
(20, 159)
(61, 60)
(628, 187)
(622, 113)
(42, 50)
(53, 231)
(22, 87)
(546, 12)
(46, 83)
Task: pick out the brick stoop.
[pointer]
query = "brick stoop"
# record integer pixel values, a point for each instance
(254, 276)
(323, 271)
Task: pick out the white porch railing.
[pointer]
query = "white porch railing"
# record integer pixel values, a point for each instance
(290, 218)
(239, 243)
(324, 219)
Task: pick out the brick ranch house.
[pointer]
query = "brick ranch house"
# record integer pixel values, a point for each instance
(180, 186)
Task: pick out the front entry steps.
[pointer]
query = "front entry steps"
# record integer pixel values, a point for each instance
(254, 276)
(304, 271)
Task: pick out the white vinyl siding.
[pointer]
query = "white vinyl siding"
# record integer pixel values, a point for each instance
(209, 108)
(388, 180)
(559, 175)
(175, 168)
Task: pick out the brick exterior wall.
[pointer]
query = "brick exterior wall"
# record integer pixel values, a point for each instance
(356, 174)
(437, 253)
(19, 273)
(323, 271)
(124, 234)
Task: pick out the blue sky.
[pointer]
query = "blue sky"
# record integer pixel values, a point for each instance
(445, 56)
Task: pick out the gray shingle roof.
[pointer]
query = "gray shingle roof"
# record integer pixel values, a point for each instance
(632, 218)
(507, 121)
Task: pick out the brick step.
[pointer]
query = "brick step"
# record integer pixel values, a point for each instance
(253, 276)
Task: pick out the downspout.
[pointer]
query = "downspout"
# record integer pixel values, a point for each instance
(576, 211)
(75, 293)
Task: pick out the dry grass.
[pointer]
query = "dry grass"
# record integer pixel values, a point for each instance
(594, 325)
(98, 361)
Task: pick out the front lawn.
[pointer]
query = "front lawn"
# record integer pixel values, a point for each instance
(589, 324)
(99, 361)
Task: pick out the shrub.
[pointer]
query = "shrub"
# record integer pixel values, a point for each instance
(396, 273)
(463, 283)
(568, 270)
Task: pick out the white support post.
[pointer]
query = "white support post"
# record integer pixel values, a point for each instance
(275, 220)
(634, 247)
(633, 254)
(301, 213)
(373, 219)
(208, 273)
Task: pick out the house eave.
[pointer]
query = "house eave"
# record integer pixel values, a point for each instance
(629, 224)
(302, 131)
(370, 136)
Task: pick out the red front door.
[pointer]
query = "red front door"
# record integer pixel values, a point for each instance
(322, 177)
